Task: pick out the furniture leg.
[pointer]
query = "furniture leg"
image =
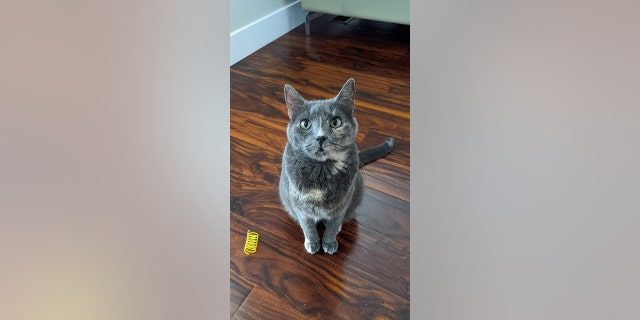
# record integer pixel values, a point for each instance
(307, 22)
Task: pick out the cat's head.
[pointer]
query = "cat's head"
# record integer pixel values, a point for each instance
(322, 129)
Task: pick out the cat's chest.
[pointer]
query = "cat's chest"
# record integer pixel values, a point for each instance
(324, 175)
(322, 194)
(323, 184)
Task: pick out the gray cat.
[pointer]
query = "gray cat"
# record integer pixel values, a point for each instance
(320, 179)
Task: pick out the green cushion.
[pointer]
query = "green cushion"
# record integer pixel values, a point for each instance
(383, 10)
(325, 6)
(396, 11)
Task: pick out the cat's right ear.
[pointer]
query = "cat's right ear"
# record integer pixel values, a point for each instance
(294, 101)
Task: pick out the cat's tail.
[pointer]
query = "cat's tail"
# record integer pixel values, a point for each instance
(374, 153)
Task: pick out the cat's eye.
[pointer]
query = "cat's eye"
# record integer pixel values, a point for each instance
(335, 122)
(305, 124)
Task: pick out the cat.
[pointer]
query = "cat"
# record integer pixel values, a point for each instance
(320, 179)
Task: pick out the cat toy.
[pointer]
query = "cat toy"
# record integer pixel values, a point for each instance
(251, 244)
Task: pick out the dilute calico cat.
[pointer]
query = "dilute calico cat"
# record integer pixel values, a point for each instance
(320, 179)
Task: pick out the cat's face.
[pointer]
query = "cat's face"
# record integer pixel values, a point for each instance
(322, 129)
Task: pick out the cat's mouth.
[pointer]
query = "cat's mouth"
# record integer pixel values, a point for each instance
(321, 153)
(320, 148)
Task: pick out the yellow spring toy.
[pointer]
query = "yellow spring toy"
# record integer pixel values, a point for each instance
(251, 245)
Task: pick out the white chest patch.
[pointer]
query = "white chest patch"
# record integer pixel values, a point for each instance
(339, 164)
(314, 195)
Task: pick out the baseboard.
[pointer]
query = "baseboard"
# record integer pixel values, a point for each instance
(259, 33)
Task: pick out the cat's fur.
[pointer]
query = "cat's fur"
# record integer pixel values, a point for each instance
(320, 179)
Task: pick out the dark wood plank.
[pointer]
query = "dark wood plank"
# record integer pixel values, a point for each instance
(383, 123)
(373, 256)
(263, 166)
(382, 176)
(311, 284)
(240, 289)
(374, 90)
(261, 304)
(385, 214)
(371, 91)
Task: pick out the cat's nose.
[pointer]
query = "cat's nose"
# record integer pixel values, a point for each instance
(321, 139)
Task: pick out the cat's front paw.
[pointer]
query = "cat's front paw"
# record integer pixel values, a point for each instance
(330, 247)
(312, 247)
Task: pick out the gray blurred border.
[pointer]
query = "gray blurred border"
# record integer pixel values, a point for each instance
(525, 160)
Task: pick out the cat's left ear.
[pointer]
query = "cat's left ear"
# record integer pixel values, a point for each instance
(294, 101)
(346, 96)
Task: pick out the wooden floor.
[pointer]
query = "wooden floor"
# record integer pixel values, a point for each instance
(368, 278)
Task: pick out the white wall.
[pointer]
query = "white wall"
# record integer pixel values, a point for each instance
(253, 24)
(245, 12)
